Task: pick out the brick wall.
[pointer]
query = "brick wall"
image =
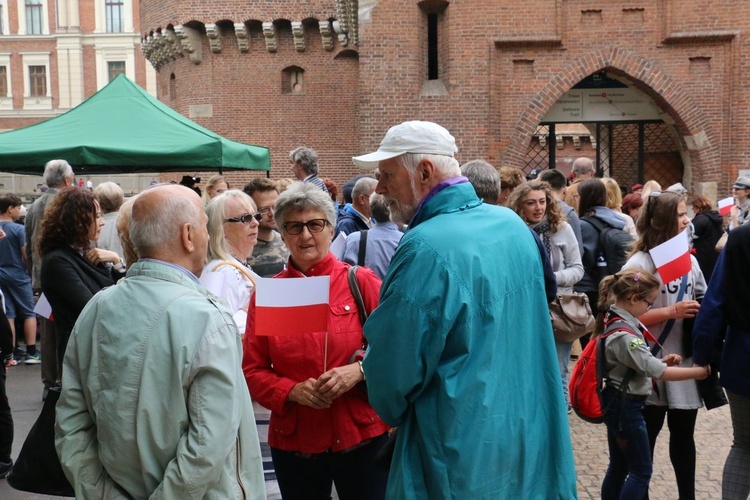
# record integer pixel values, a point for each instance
(502, 66)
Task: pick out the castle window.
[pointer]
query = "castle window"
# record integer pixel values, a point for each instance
(172, 87)
(3, 81)
(37, 81)
(34, 17)
(432, 46)
(292, 80)
(114, 14)
(115, 68)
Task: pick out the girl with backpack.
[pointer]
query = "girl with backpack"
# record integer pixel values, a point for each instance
(628, 367)
(662, 217)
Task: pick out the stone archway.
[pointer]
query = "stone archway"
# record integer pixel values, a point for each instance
(691, 124)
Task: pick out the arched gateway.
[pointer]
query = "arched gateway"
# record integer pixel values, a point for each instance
(625, 113)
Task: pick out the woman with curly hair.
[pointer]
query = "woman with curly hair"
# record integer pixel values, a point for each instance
(537, 206)
(72, 269)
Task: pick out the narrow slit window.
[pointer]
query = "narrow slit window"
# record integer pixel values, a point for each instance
(432, 46)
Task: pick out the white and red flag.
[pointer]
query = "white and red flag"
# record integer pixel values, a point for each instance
(725, 205)
(672, 258)
(43, 308)
(291, 306)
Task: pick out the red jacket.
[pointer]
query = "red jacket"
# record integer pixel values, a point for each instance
(273, 365)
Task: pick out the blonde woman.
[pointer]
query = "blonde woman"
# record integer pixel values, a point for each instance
(614, 203)
(233, 230)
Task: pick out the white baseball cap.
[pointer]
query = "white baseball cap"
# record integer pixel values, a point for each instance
(410, 137)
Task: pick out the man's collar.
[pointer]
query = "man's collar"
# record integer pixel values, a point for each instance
(439, 187)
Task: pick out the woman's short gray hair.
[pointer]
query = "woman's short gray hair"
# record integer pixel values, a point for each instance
(160, 228)
(216, 210)
(307, 157)
(445, 165)
(56, 171)
(301, 196)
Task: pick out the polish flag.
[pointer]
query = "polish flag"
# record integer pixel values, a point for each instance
(725, 205)
(291, 306)
(43, 308)
(672, 258)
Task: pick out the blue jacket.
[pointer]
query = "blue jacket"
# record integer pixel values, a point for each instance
(725, 312)
(349, 222)
(462, 358)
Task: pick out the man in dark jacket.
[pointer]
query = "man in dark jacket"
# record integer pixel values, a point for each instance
(357, 216)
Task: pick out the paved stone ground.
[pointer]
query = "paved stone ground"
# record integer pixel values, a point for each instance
(713, 437)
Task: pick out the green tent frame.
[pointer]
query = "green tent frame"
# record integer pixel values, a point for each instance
(123, 129)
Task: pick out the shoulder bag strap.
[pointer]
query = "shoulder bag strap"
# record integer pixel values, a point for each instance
(354, 287)
(668, 327)
(362, 247)
(239, 267)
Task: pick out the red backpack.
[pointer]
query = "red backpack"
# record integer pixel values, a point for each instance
(585, 384)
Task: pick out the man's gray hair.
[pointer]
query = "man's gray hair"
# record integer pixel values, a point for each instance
(160, 228)
(56, 171)
(485, 178)
(365, 185)
(300, 196)
(216, 210)
(379, 207)
(446, 166)
(583, 165)
(110, 196)
(307, 158)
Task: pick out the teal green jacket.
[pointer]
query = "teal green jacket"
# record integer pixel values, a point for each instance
(154, 402)
(462, 359)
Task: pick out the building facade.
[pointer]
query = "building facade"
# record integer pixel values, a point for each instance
(335, 74)
(56, 53)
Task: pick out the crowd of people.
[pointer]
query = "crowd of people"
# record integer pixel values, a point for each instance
(428, 378)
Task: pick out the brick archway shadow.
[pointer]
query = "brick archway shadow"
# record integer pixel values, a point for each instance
(689, 121)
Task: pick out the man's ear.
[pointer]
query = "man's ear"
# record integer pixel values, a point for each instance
(426, 170)
(187, 233)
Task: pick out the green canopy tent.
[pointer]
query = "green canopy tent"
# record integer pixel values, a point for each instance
(123, 129)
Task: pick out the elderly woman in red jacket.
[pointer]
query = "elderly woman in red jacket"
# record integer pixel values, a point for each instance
(322, 428)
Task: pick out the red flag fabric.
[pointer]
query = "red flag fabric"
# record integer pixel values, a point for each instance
(291, 306)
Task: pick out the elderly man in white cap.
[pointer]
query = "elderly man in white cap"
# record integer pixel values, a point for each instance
(740, 214)
(461, 354)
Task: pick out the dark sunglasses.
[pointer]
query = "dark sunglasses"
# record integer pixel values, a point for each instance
(245, 219)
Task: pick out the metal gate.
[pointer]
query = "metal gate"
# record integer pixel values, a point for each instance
(629, 152)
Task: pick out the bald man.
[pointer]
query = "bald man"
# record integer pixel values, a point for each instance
(583, 170)
(154, 401)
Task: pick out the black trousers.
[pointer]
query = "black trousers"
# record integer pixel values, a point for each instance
(681, 425)
(6, 419)
(355, 475)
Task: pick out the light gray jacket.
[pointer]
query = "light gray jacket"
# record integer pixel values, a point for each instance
(154, 401)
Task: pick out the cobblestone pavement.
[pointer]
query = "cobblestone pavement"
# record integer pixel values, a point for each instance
(713, 437)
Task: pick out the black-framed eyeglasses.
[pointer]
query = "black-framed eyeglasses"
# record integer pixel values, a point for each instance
(264, 210)
(650, 304)
(313, 225)
(246, 218)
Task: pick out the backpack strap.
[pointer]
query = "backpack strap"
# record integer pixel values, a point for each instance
(612, 327)
(362, 248)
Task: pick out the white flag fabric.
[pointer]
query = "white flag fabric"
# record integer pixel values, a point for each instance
(291, 306)
(672, 258)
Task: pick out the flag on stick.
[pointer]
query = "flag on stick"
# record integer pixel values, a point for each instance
(43, 308)
(291, 306)
(725, 205)
(672, 258)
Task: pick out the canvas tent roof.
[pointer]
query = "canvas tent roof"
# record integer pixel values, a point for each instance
(123, 129)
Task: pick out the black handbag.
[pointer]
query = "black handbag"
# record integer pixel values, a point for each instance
(38, 468)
